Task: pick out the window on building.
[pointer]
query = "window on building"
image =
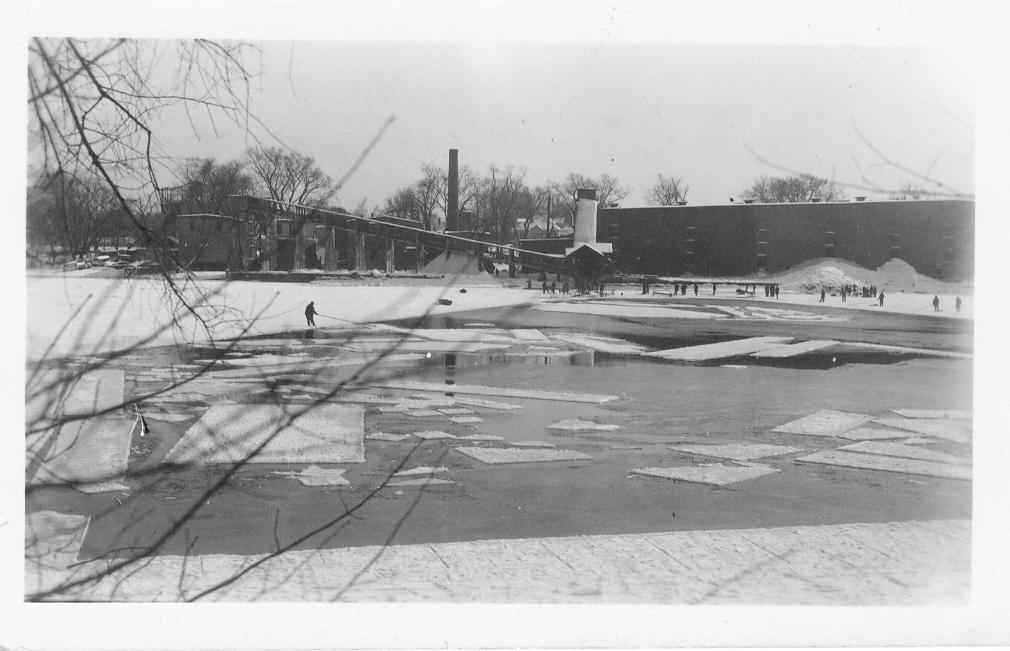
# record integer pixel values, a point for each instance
(218, 226)
(829, 250)
(895, 251)
(192, 225)
(283, 228)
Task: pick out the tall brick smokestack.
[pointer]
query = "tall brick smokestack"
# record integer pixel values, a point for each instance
(452, 210)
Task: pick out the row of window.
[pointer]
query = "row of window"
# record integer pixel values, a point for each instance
(218, 225)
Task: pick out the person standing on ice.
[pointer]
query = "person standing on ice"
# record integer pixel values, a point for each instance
(880, 298)
(310, 313)
(936, 303)
(957, 304)
(822, 296)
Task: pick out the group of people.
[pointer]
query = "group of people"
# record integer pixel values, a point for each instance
(851, 290)
(681, 288)
(553, 287)
(772, 291)
(936, 303)
(581, 287)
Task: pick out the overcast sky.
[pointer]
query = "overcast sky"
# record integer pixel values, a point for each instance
(705, 114)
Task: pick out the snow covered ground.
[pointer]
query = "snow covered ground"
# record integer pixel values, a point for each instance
(85, 315)
(898, 302)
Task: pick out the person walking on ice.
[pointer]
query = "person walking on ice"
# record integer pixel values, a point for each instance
(936, 303)
(880, 298)
(310, 313)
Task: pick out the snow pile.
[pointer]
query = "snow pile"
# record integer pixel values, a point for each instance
(832, 273)
(829, 277)
(453, 262)
(898, 274)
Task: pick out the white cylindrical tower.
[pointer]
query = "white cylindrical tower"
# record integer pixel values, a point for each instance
(585, 216)
(585, 223)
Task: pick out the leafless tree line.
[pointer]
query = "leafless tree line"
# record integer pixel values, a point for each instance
(499, 202)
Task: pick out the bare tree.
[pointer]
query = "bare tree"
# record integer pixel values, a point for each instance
(469, 197)
(792, 189)
(431, 194)
(912, 191)
(403, 204)
(207, 184)
(667, 191)
(93, 105)
(608, 192)
(531, 204)
(504, 202)
(74, 212)
(290, 176)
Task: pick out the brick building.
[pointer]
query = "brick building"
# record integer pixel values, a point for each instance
(934, 236)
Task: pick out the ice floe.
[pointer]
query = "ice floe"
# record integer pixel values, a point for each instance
(575, 425)
(462, 420)
(420, 470)
(714, 474)
(958, 431)
(602, 344)
(887, 464)
(825, 422)
(521, 455)
(324, 433)
(901, 450)
(720, 350)
(792, 350)
(431, 435)
(316, 476)
(953, 414)
(735, 451)
(383, 436)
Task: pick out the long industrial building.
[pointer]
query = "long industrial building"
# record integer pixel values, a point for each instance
(934, 236)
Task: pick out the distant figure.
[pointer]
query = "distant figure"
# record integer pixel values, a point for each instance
(936, 303)
(645, 286)
(822, 296)
(880, 299)
(529, 283)
(310, 313)
(713, 289)
(544, 288)
(601, 289)
(696, 289)
(776, 291)
(564, 288)
(554, 287)
(844, 291)
(957, 304)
